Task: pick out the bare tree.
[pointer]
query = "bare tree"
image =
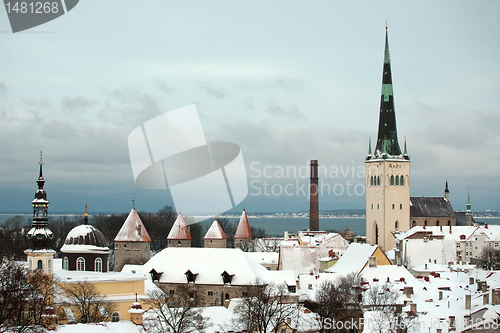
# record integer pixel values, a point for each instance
(90, 304)
(490, 258)
(387, 314)
(338, 301)
(265, 307)
(18, 298)
(176, 313)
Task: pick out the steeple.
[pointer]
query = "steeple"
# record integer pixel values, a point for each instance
(40, 236)
(86, 216)
(387, 141)
(446, 191)
(370, 145)
(468, 210)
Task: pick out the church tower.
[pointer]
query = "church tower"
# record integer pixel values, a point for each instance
(387, 172)
(40, 238)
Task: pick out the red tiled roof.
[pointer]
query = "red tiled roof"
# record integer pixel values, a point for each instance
(215, 231)
(133, 229)
(179, 229)
(243, 230)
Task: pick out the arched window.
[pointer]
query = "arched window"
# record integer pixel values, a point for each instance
(227, 297)
(371, 180)
(413, 224)
(376, 233)
(98, 265)
(402, 181)
(378, 180)
(437, 223)
(39, 264)
(392, 206)
(400, 206)
(80, 264)
(397, 180)
(396, 225)
(449, 222)
(66, 263)
(392, 180)
(425, 223)
(115, 317)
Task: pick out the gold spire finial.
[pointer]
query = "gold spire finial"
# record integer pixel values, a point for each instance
(86, 214)
(41, 154)
(385, 25)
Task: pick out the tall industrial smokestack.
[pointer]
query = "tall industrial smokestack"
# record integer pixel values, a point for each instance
(314, 198)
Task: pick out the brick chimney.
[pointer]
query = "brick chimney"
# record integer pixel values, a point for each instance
(314, 198)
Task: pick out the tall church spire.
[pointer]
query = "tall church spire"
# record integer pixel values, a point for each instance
(387, 141)
(40, 236)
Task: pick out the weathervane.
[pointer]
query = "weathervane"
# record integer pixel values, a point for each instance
(41, 162)
(386, 25)
(133, 202)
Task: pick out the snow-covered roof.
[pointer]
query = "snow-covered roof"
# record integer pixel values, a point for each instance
(243, 231)
(179, 229)
(66, 276)
(215, 231)
(431, 267)
(384, 272)
(104, 327)
(354, 259)
(263, 258)
(209, 264)
(133, 229)
(85, 239)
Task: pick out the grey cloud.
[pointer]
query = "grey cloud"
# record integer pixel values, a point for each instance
(211, 90)
(163, 86)
(77, 105)
(3, 89)
(292, 112)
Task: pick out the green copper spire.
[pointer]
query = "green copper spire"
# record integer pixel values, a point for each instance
(469, 206)
(387, 141)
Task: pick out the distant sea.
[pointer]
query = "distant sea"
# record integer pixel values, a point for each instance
(276, 226)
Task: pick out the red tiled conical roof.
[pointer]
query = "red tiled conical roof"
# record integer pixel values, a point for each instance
(215, 231)
(179, 230)
(133, 229)
(243, 230)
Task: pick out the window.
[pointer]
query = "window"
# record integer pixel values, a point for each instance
(402, 182)
(397, 180)
(115, 317)
(437, 223)
(396, 225)
(372, 206)
(400, 206)
(39, 264)
(309, 286)
(392, 180)
(49, 266)
(210, 293)
(227, 297)
(66, 263)
(245, 294)
(392, 206)
(414, 223)
(378, 180)
(378, 206)
(98, 265)
(425, 222)
(80, 264)
(371, 180)
(449, 222)
(171, 292)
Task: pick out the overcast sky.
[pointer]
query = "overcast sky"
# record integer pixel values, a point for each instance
(288, 81)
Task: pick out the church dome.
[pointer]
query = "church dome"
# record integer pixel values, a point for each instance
(85, 239)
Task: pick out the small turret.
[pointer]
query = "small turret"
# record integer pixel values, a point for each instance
(179, 235)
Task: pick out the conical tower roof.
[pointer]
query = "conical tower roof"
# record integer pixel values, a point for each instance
(387, 141)
(243, 230)
(133, 229)
(215, 231)
(179, 230)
